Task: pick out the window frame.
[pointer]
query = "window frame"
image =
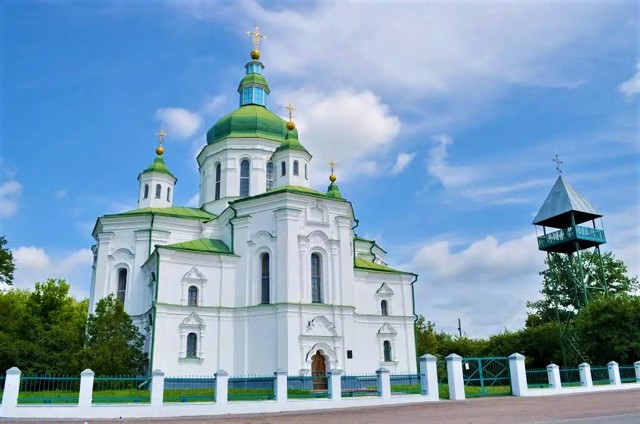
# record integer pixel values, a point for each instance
(168, 194)
(384, 307)
(192, 296)
(121, 292)
(283, 168)
(146, 191)
(271, 171)
(191, 351)
(387, 350)
(158, 191)
(218, 180)
(245, 180)
(265, 278)
(316, 278)
(296, 168)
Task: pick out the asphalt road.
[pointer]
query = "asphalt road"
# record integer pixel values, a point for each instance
(621, 407)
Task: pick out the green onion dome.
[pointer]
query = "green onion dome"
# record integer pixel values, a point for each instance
(250, 121)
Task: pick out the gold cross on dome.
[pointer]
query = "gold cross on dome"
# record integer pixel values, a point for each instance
(290, 108)
(256, 38)
(558, 163)
(332, 164)
(161, 135)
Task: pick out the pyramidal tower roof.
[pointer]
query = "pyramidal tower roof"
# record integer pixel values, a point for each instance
(560, 203)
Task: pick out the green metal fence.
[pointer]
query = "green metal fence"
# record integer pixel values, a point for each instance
(121, 389)
(359, 385)
(443, 380)
(406, 384)
(189, 389)
(538, 378)
(306, 386)
(600, 375)
(49, 389)
(252, 388)
(489, 376)
(570, 377)
(628, 374)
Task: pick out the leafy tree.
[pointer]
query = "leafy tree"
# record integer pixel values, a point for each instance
(609, 329)
(558, 285)
(41, 330)
(7, 266)
(114, 344)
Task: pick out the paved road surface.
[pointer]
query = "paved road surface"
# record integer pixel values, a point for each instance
(622, 407)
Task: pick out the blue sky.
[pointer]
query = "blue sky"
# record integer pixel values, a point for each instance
(443, 118)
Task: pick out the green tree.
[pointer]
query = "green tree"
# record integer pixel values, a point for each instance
(559, 287)
(609, 329)
(7, 265)
(41, 330)
(114, 344)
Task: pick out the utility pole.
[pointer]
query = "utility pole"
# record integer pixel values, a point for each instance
(459, 327)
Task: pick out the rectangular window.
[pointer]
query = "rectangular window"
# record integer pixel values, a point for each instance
(349, 354)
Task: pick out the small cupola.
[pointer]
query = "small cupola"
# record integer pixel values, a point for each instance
(156, 182)
(253, 88)
(291, 159)
(333, 190)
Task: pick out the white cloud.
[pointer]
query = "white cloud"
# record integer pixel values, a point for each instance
(9, 193)
(214, 105)
(178, 122)
(402, 161)
(194, 201)
(34, 264)
(631, 87)
(438, 166)
(346, 126)
(61, 194)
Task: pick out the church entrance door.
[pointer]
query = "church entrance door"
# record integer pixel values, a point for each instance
(319, 369)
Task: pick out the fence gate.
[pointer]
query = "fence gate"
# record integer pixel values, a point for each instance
(486, 376)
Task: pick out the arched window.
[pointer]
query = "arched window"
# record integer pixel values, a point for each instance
(270, 175)
(264, 278)
(316, 278)
(384, 308)
(158, 191)
(193, 296)
(146, 191)
(244, 178)
(296, 168)
(192, 345)
(283, 168)
(218, 176)
(388, 357)
(168, 194)
(122, 285)
(306, 172)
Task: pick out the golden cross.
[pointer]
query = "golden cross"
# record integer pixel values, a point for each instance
(290, 108)
(558, 164)
(332, 164)
(161, 135)
(256, 38)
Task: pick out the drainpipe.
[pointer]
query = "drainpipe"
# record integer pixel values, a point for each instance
(415, 318)
(353, 242)
(235, 214)
(155, 310)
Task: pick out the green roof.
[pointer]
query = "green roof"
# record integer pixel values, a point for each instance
(250, 121)
(305, 191)
(372, 266)
(254, 79)
(291, 142)
(175, 212)
(201, 245)
(333, 191)
(358, 238)
(158, 165)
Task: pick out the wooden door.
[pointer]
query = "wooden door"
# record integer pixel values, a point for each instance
(319, 368)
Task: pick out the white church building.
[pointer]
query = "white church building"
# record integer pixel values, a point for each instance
(266, 274)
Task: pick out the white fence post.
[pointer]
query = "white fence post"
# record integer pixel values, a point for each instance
(384, 383)
(157, 387)
(11, 388)
(221, 394)
(429, 376)
(518, 373)
(280, 382)
(553, 372)
(455, 376)
(86, 388)
(614, 373)
(585, 375)
(637, 367)
(335, 384)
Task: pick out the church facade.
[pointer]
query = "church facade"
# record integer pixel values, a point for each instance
(266, 274)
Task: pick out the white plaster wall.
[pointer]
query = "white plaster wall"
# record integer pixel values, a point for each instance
(152, 179)
(289, 178)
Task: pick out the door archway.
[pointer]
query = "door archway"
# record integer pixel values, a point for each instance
(319, 370)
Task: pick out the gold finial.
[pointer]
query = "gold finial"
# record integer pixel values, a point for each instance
(256, 40)
(161, 135)
(332, 177)
(290, 125)
(558, 164)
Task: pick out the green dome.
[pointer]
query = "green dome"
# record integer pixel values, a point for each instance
(158, 165)
(254, 79)
(291, 143)
(249, 121)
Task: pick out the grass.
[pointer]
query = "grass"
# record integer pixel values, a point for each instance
(406, 389)
(189, 395)
(48, 396)
(471, 391)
